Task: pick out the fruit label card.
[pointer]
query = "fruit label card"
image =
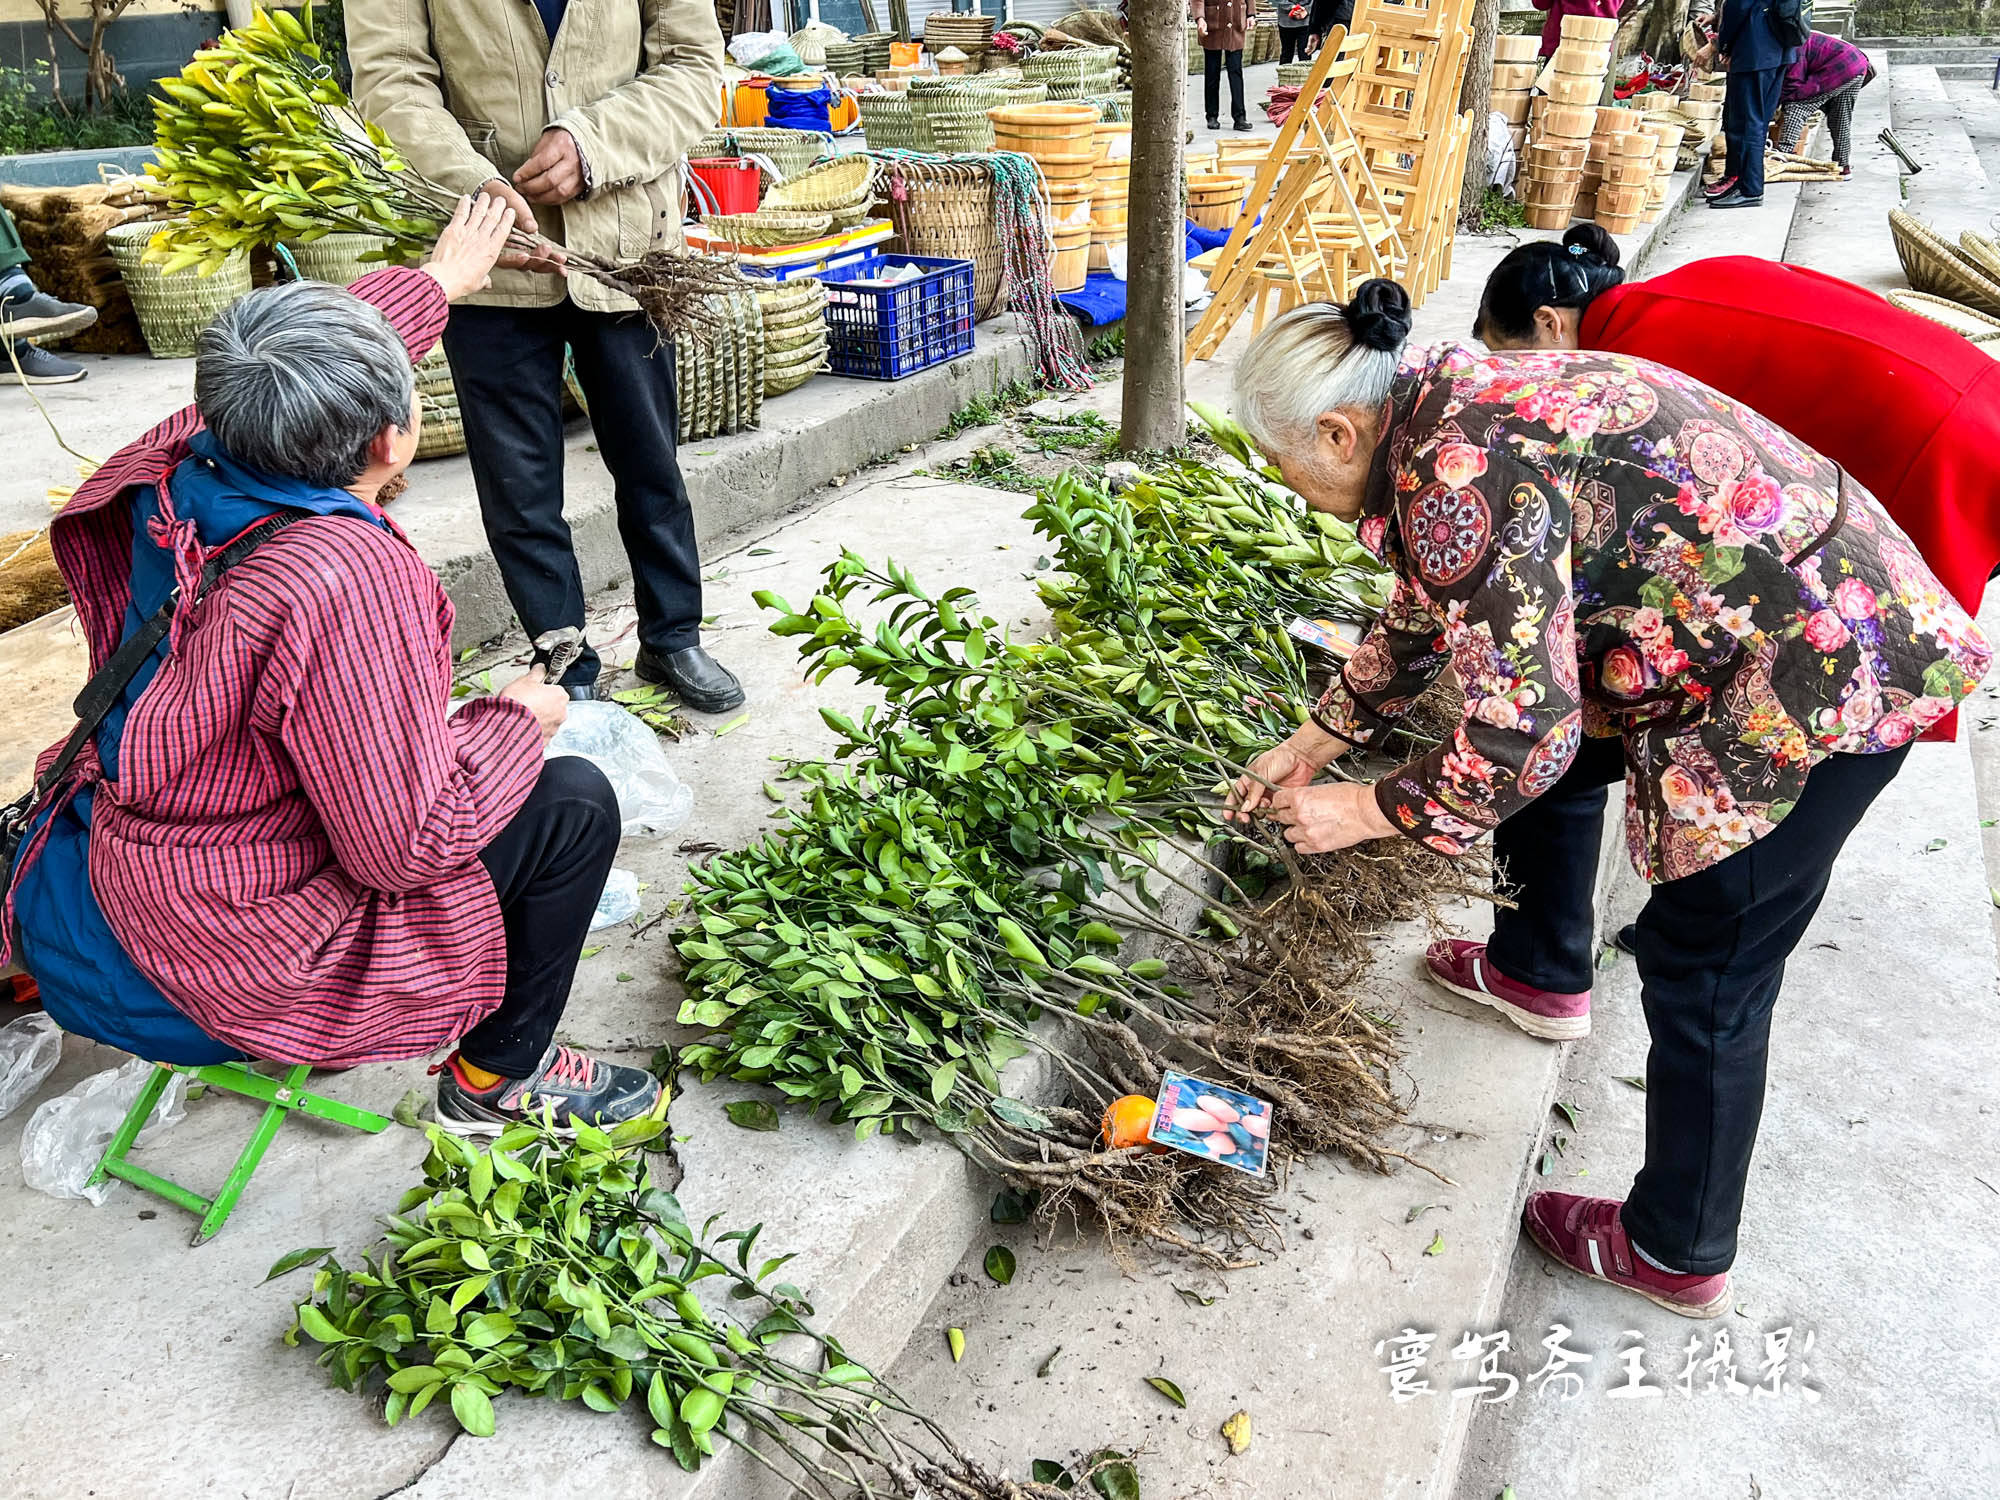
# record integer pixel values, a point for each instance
(1212, 1122)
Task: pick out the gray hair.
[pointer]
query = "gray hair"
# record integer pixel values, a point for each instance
(1306, 363)
(297, 379)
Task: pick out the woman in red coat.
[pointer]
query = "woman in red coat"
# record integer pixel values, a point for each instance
(1906, 406)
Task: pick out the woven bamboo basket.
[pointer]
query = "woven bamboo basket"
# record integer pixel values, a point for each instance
(1982, 252)
(172, 310)
(945, 209)
(792, 369)
(789, 152)
(888, 122)
(960, 133)
(837, 184)
(1933, 265)
(1113, 106)
(768, 228)
(1981, 328)
(336, 258)
(844, 58)
(1293, 75)
(443, 431)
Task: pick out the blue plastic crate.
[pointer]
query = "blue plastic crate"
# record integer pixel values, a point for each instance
(887, 332)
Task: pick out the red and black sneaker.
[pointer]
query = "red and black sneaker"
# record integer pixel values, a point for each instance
(579, 1086)
(1588, 1236)
(1717, 188)
(1464, 969)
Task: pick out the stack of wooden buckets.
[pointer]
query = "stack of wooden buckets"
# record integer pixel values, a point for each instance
(1564, 119)
(1515, 65)
(1062, 139)
(1114, 189)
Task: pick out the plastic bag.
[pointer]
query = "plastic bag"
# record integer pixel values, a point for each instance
(765, 52)
(30, 1048)
(1503, 161)
(652, 801)
(67, 1136)
(620, 901)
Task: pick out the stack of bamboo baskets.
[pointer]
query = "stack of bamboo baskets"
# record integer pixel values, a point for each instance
(1062, 139)
(1514, 70)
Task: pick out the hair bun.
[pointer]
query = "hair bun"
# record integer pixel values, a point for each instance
(1593, 242)
(1379, 315)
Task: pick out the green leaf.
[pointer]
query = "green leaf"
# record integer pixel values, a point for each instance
(730, 728)
(752, 1114)
(479, 1182)
(625, 1343)
(1048, 1471)
(1436, 1246)
(461, 1295)
(1934, 845)
(413, 1378)
(1546, 1165)
(1148, 969)
(487, 1330)
(660, 1401)
(701, 1409)
(405, 1113)
(473, 1410)
(1637, 1083)
(591, 952)
(317, 1326)
(597, 1398)
(1000, 1264)
(955, 1340)
(297, 1258)
(845, 1374)
(1114, 1477)
(1168, 1389)
(475, 1255)
(1048, 1366)
(1194, 1299)
(1018, 943)
(1012, 1206)
(1568, 1112)
(942, 1082)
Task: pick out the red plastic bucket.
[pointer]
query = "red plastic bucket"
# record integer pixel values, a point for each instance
(731, 181)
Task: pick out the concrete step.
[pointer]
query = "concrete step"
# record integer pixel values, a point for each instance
(1970, 54)
(1979, 110)
(1842, 228)
(1968, 72)
(1952, 192)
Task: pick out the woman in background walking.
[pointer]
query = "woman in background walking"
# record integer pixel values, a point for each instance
(1220, 24)
(1825, 79)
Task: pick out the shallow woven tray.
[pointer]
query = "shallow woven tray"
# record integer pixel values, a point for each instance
(767, 228)
(837, 184)
(1935, 266)
(1981, 328)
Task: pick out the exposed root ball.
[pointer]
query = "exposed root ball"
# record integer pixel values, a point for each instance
(676, 291)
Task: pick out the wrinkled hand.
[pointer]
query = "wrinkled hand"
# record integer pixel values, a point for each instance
(542, 698)
(1321, 819)
(1282, 766)
(553, 172)
(470, 244)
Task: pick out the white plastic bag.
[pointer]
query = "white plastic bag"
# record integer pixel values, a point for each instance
(620, 901)
(67, 1136)
(652, 801)
(1503, 161)
(30, 1048)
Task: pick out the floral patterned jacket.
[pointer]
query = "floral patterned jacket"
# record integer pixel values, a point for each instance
(1600, 545)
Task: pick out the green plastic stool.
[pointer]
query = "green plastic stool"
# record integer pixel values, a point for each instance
(279, 1095)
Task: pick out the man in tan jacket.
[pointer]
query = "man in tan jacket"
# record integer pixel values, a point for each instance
(578, 114)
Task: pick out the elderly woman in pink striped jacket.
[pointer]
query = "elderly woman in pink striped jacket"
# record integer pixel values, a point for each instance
(278, 844)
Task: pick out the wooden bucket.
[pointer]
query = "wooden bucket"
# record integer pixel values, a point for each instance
(1071, 264)
(1549, 218)
(1617, 223)
(1612, 120)
(1069, 203)
(1590, 30)
(1622, 198)
(1581, 90)
(1582, 57)
(1216, 202)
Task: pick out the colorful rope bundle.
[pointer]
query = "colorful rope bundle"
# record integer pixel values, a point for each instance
(1020, 229)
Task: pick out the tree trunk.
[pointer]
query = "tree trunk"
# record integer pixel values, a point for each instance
(1660, 32)
(1154, 415)
(1477, 96)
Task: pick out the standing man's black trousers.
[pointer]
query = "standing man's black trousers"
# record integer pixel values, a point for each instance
(507, 363)
(1749, 105)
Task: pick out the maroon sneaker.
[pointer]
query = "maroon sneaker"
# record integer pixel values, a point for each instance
(1588, 1236)
(1464, 969)
(1717, 188)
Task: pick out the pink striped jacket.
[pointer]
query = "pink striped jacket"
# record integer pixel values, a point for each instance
(290, 851)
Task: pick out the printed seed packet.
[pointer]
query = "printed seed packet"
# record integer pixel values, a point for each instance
(1212, 1122)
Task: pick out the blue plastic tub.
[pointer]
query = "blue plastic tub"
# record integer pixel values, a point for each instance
(887, 332)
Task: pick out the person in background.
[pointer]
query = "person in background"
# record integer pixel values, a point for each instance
(1746, 42)
(1824, 78)
(1294, 30)
(1557, 9)
(1327, 14)
(27, 312)
(577, 117)
(280, 843)
(1905, 405)
(1634, 578)
(1220, 25)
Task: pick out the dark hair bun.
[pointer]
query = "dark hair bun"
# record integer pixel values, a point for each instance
(1593, 242)
(1379, 315)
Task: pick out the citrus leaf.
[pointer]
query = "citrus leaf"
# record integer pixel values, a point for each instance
(296, 1259)
(752, 1114)
(1168, 1389)
(955, 1339)
(1000, 1264)
(473, 1410)
(1436, 1246)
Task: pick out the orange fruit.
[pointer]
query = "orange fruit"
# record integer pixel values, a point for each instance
(1126, 1121)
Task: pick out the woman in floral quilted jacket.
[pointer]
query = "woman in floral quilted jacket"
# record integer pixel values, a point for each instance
(1633, 577)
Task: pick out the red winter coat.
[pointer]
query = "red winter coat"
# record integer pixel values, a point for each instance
(1557, 9)
(1903, 404)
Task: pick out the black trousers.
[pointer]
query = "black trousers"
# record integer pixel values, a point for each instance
(1711, 952)
(1749, 105)
(1211, 84)
(1292, 43)
(548, 867)
(507, 363)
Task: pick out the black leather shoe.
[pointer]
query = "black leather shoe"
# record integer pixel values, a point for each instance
(702, 682)
(1213, 123)
(1242, 125)
(584, 692)
(1735, 198)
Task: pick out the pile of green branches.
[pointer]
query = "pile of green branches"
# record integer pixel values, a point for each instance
(553, 1269)
(968, 864)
